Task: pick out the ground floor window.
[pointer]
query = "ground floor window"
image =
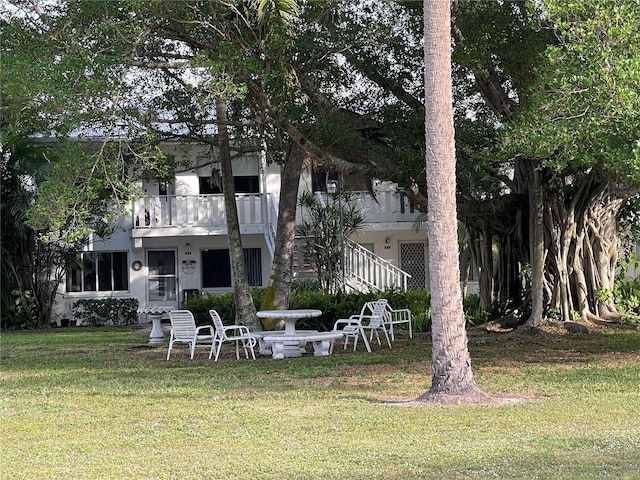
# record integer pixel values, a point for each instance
(98, 271)
(216, 268)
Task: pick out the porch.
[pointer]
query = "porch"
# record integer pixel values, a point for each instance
(158, 216)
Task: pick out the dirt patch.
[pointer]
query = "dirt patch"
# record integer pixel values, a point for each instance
(446, 400)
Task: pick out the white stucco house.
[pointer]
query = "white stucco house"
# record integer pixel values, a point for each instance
(173, 242)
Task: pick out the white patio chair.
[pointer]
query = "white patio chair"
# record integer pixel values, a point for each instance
(374, 314)
(397, 316)
(184, 330)
(371, 318)
(231, 333)
(350, 329)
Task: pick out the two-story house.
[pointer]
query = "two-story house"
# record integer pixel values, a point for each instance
(172, 242)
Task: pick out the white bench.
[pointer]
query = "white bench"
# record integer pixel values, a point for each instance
(291, 343)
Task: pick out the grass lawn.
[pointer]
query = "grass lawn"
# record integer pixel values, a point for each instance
(98, 403)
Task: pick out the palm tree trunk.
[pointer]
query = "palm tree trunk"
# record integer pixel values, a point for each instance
(451, 363)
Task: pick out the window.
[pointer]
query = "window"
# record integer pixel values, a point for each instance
(210, 185)
(98, 271)
(247, 184)
(242, 184)
(216, 268)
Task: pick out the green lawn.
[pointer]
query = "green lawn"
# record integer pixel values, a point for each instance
(85, 403)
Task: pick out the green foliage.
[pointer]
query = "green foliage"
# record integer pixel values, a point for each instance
(627, 298)
(21, 311)
(105, 311)
(331, 219)
(584, 104)
(30, 269)
(630, 234)
(604, 294)
(223, 303)
(472, 312)
(419, 302)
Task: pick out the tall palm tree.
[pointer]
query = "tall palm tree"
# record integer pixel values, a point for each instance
(451, 363)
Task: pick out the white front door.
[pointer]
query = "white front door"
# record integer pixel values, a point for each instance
(162, 282)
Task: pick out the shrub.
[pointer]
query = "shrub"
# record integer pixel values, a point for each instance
(106, 311)
(341, 305)
(223, 303)
(419, 302)
(627, 298)
(472, 312)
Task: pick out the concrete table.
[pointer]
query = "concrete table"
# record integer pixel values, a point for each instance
(290, 317)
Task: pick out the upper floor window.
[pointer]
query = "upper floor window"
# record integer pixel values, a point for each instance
(98, 271)
(242, 184)
(247, 184)
(352, 181)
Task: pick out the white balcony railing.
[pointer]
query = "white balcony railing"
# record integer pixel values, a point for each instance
(162, 211)
(385, 207)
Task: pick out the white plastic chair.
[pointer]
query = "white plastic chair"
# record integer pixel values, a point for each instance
(184, 330)
(222, 335)
(397, 316)
(374, 313)
(350, 329)
(371, 317)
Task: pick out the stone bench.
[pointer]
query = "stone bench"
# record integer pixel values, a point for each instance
(321, 343)
(265, 347)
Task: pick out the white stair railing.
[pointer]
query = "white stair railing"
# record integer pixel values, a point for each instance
(272, 224)
(370, 270)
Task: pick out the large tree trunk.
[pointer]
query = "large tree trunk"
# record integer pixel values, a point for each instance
(279, 289)
(537, 250)
(451, 375)
(245, 309)
(584, 251)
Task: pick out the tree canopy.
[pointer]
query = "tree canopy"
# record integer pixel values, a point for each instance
(546, 105)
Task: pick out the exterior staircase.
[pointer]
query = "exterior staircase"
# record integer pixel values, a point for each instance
(366, 271)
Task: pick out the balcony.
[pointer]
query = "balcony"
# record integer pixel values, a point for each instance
(164, 215)
(388, 210)
(386, 207)
(174, 215)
